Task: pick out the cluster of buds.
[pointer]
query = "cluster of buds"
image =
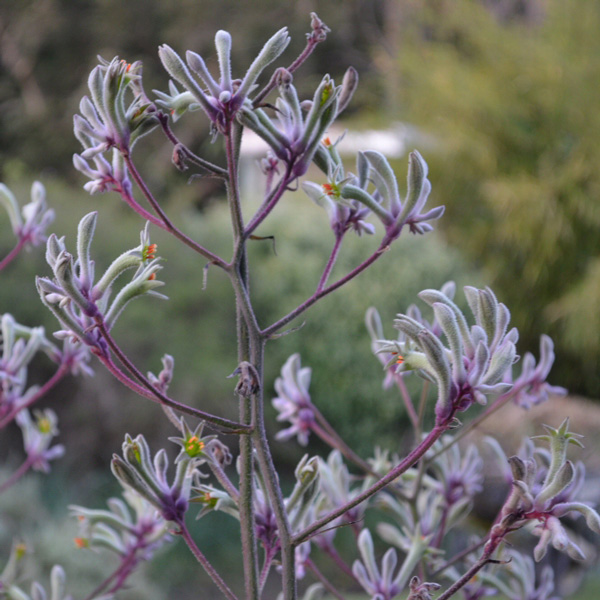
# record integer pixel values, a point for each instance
(29, 225)
(73, 297)
(541, 495)
(133, 529)
(107, 122)
(301, 126)
(478, 360)
(220, 100)
(375, 187)
(148, 478)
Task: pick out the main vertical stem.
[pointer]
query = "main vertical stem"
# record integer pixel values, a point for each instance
(269, 473)
(251, 348)
(240, 275)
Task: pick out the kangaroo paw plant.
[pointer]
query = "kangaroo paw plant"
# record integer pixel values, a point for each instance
(402, 515)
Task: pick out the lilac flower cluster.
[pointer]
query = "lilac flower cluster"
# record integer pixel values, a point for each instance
(106, 123)
(73, 297)
(222, 99)
(148, 478)
(384, 200)
(478, 360)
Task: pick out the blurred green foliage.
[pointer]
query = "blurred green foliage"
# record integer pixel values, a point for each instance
(511, 107)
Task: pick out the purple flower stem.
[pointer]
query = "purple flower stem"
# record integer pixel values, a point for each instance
(330, 262)
(403, 466)
(166, 223)
(338, 560)
(458, 557)
(197, 160)
(335, 441)
(328, 585)
(58, 375)
(123, 571)
(271, 200)
(210, 570)
(311, 44)
(18, 473)
(269, 331)
(133, 204)
(151, 392)
(13, 253)
(496, 405)
(266, 568)
(441, 532)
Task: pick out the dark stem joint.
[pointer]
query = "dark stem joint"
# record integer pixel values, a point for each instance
(249, 380)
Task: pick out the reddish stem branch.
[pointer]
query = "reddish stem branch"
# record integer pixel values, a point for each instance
(58, 375)
(18, 473)
(383, 247)
(165, 221)
(210, 570)
(152, 393)
(13, 253)
(403, 466)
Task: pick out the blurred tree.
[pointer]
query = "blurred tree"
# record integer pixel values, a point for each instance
(510, 98)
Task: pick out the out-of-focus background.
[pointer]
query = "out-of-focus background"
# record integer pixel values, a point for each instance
(501, 98)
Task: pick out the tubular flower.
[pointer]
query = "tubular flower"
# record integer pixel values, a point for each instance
(73, 297)
(344, 213)
(106, 122)
(148, 478)
(293, 401)
(375, 188)
(133, 529)
(541, 495)
(382, 584)
(221, 99)
(297, 137)
(477, 361)
(37, 437)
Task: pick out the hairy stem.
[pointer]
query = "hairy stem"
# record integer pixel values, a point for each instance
(25, 466)
(13, 253)
(403, 466)
(269, 331)
(238, 272)
(210, 570)
(166, 222)
(42, 391)
(330, 262)
(150, 392)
